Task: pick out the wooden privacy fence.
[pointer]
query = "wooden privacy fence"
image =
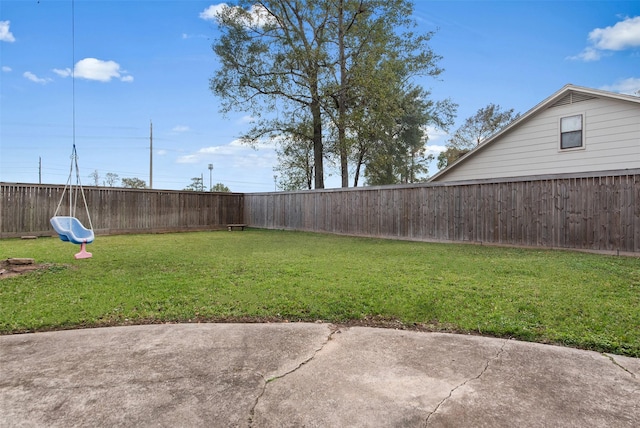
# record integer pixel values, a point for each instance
(588, 211)
(25, 209)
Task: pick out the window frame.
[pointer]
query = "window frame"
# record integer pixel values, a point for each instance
(582, 145)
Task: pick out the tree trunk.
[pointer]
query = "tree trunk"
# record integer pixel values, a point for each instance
(318, 150)
(342, 140)
(356, 175)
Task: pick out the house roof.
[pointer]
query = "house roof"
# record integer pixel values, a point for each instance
(568, 93)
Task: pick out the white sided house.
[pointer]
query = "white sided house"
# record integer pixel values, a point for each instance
(575, 130)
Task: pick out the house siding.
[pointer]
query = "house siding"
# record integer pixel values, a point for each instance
(611, 134)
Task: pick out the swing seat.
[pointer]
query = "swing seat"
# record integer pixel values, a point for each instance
(70, 229)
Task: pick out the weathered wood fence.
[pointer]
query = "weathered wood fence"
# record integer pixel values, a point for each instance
(589, 211)
(592, 212)
(25, 209)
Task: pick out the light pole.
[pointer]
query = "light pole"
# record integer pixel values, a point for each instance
(210, 177)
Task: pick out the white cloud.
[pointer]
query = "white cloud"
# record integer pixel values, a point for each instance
(587, 55)
(435, 134)
(180, 128)
(246, 119)
(622, 35)
(96, 69)
(188, 159)
(630, 86)
(42, 80)
(255, 160)
(435, 143)
(211, 13)
(6, 69)
(435, 149)
(5, 34)
(257, 17)
(186, 36)
(208, 153)
(62, 73)
(235, 153)
(266, 144)
(161, 152)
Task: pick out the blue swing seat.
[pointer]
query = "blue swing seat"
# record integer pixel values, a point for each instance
(70, 229)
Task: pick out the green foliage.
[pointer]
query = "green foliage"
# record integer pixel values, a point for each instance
(477, 128)
(295, 159)
(397, 152)
(271, 56)
(336, 70)
(486, 122)
(197, 185)
(376, 55)
(583, 300)
(134, 183)
(111, 179)
(219, 187)
(450, 155)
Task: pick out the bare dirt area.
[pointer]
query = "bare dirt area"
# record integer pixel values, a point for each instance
(18, 266)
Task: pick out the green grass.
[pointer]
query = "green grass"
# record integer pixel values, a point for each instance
(576, 299)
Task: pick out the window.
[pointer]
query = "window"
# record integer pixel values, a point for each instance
(571, 132)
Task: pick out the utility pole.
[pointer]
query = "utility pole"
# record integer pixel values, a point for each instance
(150, 154)
(39, 170)
(210, 177)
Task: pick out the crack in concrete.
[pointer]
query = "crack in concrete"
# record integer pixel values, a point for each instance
(486, 367)
(616, 363)
(333, 330)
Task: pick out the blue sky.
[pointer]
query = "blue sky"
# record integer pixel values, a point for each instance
(139, 61)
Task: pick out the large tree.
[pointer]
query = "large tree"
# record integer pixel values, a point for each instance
(134, 183)
(398, 152)
(111, 179)
(475, 129)
(295, 159)
(197, 185)
(339, 60)
(375, 53)
(220, 187)
(272, 55)
(486, 122)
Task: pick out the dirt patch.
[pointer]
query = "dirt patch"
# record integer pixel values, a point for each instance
(19, 266)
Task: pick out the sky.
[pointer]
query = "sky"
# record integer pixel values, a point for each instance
(143, 63)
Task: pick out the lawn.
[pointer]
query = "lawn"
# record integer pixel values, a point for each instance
(576, 299)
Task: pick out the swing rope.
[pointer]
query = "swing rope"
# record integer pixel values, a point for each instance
(84, 199)
(73, 196)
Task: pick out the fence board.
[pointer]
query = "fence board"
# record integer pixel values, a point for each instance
(589, 211)
(25, 209)
(586, 211)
